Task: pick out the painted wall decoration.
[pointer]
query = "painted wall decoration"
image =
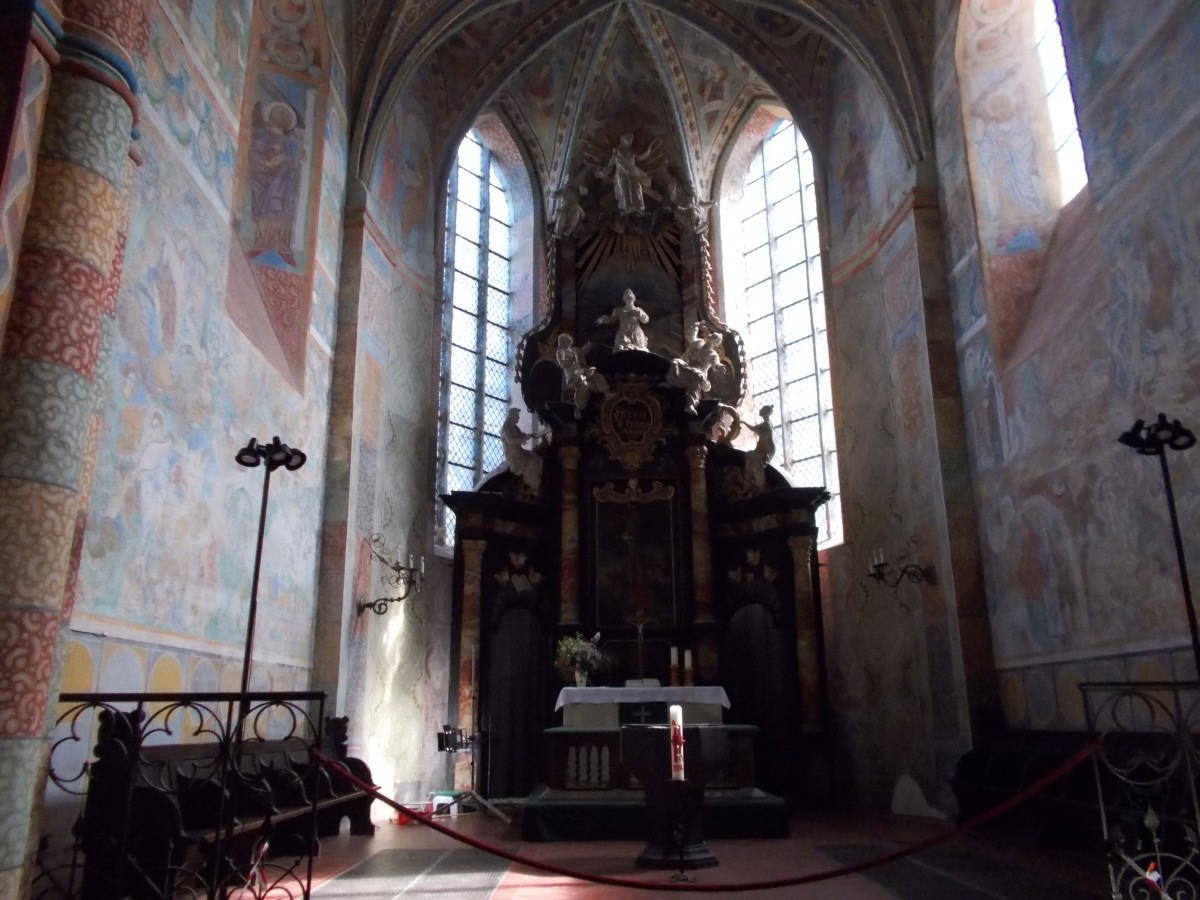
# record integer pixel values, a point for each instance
(403, 189)
(168, 548)
(542, 84)
(161, 561)
(16, 188)
(269, 291)
(1081, 577)
(217, 32)
(179, 98)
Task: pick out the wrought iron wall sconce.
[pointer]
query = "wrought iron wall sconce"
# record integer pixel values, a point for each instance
(878, 570)
(272, 456)
(1154, 440)
(397, 575)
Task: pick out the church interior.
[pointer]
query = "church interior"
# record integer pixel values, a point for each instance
(802, 350)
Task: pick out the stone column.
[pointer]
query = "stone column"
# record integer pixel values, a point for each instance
(468, 655)
(65, 285)
(697, 456)
(339, 547)
(808, 638)
(28, 42)
(569, 563)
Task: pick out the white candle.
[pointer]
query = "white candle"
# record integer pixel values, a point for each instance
(687, 659)
(677, 743)
(674, 656)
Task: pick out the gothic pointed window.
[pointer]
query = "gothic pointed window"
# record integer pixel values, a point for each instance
(774, 245)
(1060, 102)
(476, 348)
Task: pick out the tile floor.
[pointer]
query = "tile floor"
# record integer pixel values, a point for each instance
(983, 864)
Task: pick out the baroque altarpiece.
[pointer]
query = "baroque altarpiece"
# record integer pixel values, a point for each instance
(644, 507)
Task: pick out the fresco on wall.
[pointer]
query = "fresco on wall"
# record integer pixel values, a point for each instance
(542, 84)
(719, 83)
(403, 189)
(217, 31)
(269, 291)
(855, 128)
(1105, 36)
(1134, 127)
(181, 103)
(167, 555)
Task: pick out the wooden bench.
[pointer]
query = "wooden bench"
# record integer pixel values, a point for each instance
(163, 817)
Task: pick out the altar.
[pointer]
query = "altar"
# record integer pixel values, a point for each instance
(611, 707)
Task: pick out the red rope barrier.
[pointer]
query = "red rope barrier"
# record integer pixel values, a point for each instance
(941, 837)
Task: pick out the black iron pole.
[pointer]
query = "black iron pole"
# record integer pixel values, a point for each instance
(1183, 572)
(262, 526)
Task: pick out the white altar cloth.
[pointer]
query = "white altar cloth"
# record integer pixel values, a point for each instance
(656, 694)
(599, 707)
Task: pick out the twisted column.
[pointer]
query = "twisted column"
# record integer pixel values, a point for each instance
(569, 563)
(65, 288)
(697, 457)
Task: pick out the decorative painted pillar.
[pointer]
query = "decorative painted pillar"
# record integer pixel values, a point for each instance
(65, 286)
(808, 639)
(28, 50)
(697, 457)
(569, 564)
(468, 651)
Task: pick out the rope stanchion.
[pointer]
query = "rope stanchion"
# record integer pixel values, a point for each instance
(1083, 754)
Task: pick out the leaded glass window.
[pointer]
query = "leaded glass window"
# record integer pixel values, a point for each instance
(1059, 100)
(786, 342)
(476, 336)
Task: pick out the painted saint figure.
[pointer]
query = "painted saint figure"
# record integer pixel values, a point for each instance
(630, 182)
(525, 464)
(579, 380)
(276, 155)
(629, 320)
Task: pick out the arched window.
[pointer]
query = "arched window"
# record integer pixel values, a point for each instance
(782, 311)
(1059, 101)
(476, 347)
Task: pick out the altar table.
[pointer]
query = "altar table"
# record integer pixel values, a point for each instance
(601, 707)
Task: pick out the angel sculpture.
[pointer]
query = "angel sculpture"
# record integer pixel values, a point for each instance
(690, 371)
(525, 464)
(570, 207)
(764, 449)
(579, 380)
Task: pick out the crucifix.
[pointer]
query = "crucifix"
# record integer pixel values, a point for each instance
(639, 620)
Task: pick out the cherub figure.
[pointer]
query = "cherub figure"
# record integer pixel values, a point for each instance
(690, 371)
(579, 380)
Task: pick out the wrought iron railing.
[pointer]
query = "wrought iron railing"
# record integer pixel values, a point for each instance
(1146, 781)
(183, 795)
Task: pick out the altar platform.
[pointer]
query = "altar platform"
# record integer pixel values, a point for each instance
(593, 793)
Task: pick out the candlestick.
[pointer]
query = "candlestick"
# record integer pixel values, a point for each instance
(677, 743)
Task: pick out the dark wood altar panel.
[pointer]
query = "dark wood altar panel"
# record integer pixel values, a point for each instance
(634, 540)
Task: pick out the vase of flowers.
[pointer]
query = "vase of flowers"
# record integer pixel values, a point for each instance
(579, 656)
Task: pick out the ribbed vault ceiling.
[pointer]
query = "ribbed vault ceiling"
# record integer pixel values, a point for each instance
(571, 75)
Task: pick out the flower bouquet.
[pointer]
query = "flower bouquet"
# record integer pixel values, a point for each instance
(578, 655)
